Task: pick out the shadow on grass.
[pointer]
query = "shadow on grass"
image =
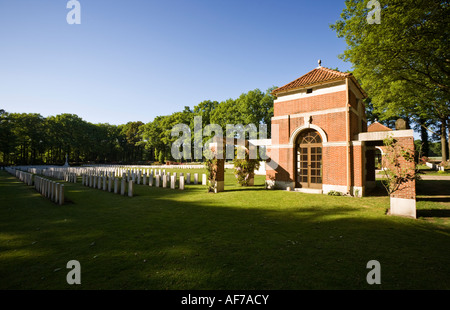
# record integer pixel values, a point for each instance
(434, 199)
(433, 188)
(433, 213)
(234, 240)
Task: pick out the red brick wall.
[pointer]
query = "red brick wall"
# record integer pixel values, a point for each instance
(354, 125)
(312, 103)
(352, 99)
(334, 125)
(334, 165)
(406, 190)
(285, 169)
(357, 166)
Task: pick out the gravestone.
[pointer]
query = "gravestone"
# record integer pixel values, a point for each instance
(122, 187)
(61, 194)
(181, 186)
(130, 189)
(52, 190)
(56, 200)
(195, 178)
(116, 185)
(150, 179)
(172, 182)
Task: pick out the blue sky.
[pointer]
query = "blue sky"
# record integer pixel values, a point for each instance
(134, 60)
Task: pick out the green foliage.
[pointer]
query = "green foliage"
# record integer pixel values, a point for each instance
(244, 169)
(33, 139)
(211, 174)
(334, 193)
(403, 63)
(395, 173)
(253, 107)
(161, 157)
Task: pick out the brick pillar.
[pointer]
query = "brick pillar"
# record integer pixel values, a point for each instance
(220, 178)
(403, 200)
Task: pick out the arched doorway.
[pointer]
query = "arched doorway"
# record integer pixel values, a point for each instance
(308, 160)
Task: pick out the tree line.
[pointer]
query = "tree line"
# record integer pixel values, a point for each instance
(31, 139)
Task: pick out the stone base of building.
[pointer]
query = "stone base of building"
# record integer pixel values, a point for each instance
(403, 207)
(309, 190)
(356, 191)
(284, 185)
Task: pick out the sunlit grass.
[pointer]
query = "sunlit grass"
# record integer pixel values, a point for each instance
(243, 238)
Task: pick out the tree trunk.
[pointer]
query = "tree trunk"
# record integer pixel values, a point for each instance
(424, 138)
(448, 141)
(444, 139)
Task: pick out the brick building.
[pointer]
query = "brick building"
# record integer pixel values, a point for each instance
(320, 139)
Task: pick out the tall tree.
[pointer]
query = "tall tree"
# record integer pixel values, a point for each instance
(7, 138)
(404, 62)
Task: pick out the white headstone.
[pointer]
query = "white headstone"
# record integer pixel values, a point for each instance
(116, 185)
(150, 179)
(195, 178)
(130, 189)
(122, 187)
(172, 182)
(181, 182)
(61, 194)
(203, 179)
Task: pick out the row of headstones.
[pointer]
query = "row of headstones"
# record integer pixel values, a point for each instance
(50, 189)
(106, 183)
(47, 188)
(435, 166)
(25, 177)
(163, 178)
(60, 175)
(134, 174)
(125, 167)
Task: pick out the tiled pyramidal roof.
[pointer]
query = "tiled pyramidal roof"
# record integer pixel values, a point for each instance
(377, 127)
(318, 75)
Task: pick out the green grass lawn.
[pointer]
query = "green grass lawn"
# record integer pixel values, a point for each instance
(243, 238)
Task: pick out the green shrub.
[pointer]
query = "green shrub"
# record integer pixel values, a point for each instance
(334, 193)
